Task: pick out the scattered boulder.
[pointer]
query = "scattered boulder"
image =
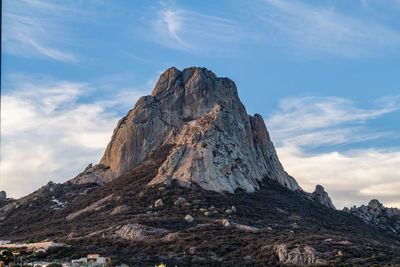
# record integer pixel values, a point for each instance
(192, 250)
(189, 218)
(300, 255)
(180, 201)
(120, 209)
(226, 223)
(158, 203)
(228, 211)
(170, 237)
(3, 195)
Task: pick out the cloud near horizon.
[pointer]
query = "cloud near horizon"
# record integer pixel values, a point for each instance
(350, 176)
(50, 133)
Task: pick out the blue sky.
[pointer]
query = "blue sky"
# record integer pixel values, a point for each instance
(324, 75)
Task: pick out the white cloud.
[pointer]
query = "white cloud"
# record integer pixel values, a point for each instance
(50, 133)
(350, 176)
(313, 121)
(33, 29)
(316, 28)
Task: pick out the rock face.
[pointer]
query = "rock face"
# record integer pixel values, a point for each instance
(322, 196)
(138, 232)
(217, 145)
(377, 215)
(300, 255)
(92, 174)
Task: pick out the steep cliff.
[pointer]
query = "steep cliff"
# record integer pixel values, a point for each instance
(217, 145)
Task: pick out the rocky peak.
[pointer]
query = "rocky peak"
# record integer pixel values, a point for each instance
(3, 195)
(216, 144)
(375, 205)
(322, 196)
(376, 214)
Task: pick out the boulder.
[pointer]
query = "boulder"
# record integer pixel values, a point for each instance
(158, 203)
(189, 218)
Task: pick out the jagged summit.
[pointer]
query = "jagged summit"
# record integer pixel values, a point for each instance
(217, 145)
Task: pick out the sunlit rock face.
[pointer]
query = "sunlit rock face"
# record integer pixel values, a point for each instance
(217, 145)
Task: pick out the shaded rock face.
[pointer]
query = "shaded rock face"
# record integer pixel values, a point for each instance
(3, 195)
(322, 196)
(377, 215)
(217, 145)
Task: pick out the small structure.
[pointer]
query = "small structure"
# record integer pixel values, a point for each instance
(4, 242)
(91, 260)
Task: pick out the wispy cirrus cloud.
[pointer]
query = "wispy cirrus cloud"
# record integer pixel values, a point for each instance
(188, 30)
(317, 28)
(314, 121)
(33, 28)
(351, 176)
(52, 128)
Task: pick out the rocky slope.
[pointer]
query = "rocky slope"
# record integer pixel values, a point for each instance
(376, 214)
(190, 179)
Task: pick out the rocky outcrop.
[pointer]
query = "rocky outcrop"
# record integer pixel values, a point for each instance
(377, 215)
(217, 145)
(138, 232)
(4, 200)
(92, 174)
(322, 197)
(300, 255)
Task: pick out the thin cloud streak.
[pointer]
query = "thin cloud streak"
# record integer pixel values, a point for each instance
(319, 29)
(190, 31)
(27, 34)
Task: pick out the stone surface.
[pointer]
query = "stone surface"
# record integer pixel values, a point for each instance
(92, 174)
(180, 201)
(377, 215)
(217, 144)
(138, 232)
(189, 218)
(300, 255)
(322, 196)
(158, 203)
(3, 195)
